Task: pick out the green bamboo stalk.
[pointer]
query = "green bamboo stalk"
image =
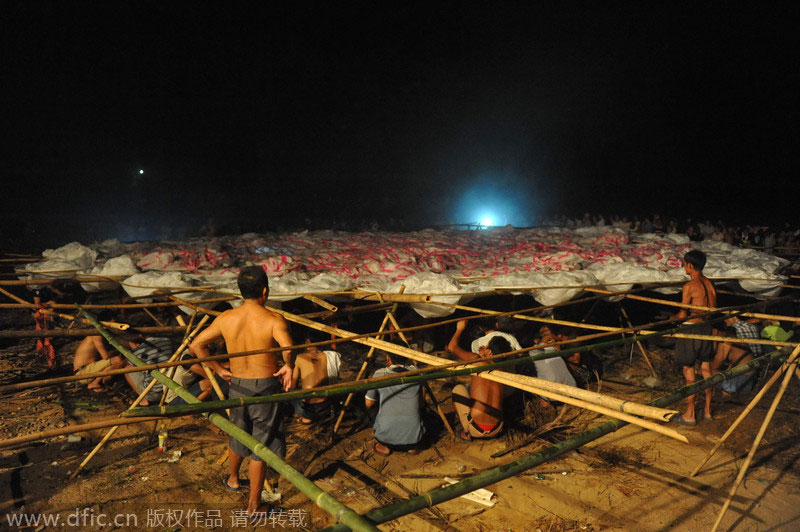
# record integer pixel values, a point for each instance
(339, 511)
(496, 474)
(420, 375)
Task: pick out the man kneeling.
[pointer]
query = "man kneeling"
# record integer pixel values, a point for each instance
(398, 424)
(480, 405)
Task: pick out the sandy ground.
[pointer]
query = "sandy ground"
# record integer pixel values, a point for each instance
(631, 480)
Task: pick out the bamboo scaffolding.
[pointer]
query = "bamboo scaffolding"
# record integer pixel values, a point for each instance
(416, 355)
(513, 380)
(363, 369)
(58, 333)
(517, 381)
(641, 329)
(496, 474)
(694, 307)
(59, 380)
(64, 333)
(418, 375)
(110, 306)
(139, 399)
(339, 511)
(111, 324)
(638, 343)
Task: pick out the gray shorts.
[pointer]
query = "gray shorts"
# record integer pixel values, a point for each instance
(688, 351)
(137, 378)
(263, 421)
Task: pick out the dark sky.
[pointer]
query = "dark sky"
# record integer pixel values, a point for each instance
(300, 109)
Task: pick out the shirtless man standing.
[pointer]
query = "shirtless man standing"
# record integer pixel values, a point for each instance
(480, 409)
(698, 291)
(251, 327)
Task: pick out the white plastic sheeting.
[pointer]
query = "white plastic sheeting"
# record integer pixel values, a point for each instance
(451, 265)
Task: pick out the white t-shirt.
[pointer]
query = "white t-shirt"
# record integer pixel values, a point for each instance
(484, 340)
(553, 369)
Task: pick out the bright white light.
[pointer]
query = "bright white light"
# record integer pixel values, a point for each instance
(487, 222)
(141, 172)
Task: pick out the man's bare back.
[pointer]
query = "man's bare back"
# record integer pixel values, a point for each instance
(249, 327)
(311, 368)
(488, 395)
(699, 292)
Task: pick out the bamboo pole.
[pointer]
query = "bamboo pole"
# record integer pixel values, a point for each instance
(641, 330)
(97, 306)
(72, 429)
(747, 410)
(322, 303)
(58, 333)
(153, 316)
(753, 448)
(64, 333)
(363, 369)
(501, 472)
(695, 307)
(136, 401)
(339, 511)
(638, 343)
(111, 324)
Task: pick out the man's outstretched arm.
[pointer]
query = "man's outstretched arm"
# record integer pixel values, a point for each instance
(456, 349)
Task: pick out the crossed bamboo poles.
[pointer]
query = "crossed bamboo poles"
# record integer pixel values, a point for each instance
(186, 341)
(702, 337)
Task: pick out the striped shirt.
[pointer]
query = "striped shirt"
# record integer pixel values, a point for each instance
(153, 351)
(748, 330)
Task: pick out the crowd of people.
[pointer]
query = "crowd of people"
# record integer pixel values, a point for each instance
(396, 411)
(783, 240)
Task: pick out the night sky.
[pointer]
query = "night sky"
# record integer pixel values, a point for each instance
(425, 111)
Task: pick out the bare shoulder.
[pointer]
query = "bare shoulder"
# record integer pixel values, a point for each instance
(305, 358)
(273, 317)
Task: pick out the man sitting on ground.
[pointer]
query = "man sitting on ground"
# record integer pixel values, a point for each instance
(152, 350)
(398, 423)
(195, 380)
(94, 355)
(480, 406)
(552, 369)
(314, 368)
(737, 353)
